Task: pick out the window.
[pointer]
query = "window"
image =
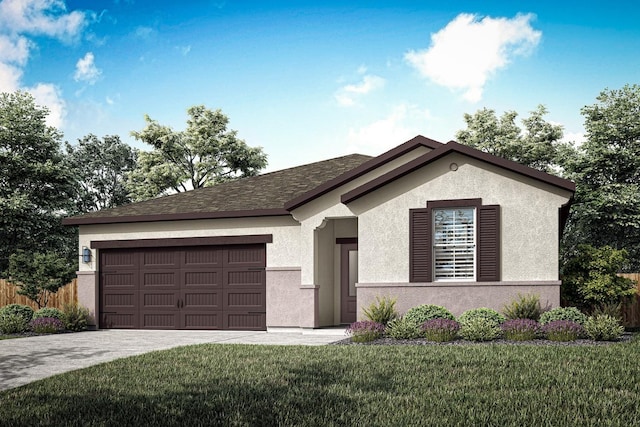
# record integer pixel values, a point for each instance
(454, 244)
(456, 240)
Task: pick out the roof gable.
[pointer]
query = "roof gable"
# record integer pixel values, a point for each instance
(394, 153)
(454, 147)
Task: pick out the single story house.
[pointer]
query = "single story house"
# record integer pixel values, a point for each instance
(310, 246)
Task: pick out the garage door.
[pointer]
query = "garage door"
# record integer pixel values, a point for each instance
(204, 287)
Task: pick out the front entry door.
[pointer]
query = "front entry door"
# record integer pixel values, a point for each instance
(348, 280)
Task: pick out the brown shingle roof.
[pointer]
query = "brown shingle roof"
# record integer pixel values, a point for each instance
(253, 196)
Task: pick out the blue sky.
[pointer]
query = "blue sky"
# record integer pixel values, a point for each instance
(313, 80)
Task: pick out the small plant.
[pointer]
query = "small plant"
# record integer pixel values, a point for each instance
(382, 311)
(520, 329)
(562, 330)
(23, 311)
(603, 327)
(481, 313)
(610, 309)
(420, 314)
(525, 307)
(11, 323)
(75, 317)
(46, 325)
(440, 330)
(563, 313)
(401, 329)
(48, 312)
(365, 331)
(479, 329)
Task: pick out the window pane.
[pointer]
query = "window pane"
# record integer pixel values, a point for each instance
(454, 243)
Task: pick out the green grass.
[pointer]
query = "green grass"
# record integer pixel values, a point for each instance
(473, 385)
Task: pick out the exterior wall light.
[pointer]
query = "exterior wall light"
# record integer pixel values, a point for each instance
(86, 255)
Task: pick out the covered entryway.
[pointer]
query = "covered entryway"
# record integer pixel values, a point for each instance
(185, 287)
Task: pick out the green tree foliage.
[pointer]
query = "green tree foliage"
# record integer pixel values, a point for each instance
(38, 275)
(35, 185)
(100, 167)
(536, 144)
(606, 168)
(204, 154)
(590, 277)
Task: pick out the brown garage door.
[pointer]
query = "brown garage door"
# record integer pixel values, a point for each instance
(204, 287)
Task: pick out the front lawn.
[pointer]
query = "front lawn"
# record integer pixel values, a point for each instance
(490, 384)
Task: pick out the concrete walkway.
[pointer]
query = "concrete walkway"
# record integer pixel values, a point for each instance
(23, 360)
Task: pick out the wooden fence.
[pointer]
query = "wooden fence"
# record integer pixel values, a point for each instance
(68, 294)
(631, 310)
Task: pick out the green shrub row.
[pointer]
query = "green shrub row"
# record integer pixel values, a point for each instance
(436, 323)
(18, 318)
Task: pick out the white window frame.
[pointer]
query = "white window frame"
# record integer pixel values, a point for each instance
(457, 251)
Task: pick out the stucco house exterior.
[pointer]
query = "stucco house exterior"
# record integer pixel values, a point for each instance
(310, 246)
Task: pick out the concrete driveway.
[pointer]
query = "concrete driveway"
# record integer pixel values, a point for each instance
(24, 360)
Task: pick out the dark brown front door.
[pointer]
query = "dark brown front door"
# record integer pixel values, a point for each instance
(348, 280)
(207, 287)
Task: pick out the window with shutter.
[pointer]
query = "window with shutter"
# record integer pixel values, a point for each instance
(455, 240)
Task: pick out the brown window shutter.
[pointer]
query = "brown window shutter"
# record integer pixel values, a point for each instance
(420, 245)
(488, 265)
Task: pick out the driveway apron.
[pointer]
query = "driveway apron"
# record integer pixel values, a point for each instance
(24, 360)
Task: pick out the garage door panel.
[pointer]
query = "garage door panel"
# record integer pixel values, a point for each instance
(244, 300)
(207, 257)
(245, 321)
(158, 299)
(203, 320)
(124, 259)
(160, 258)
(123, 319)
(160, 320)
(245, 256)
(193, 299)
(120, 280)
(203, 279)
(244, 278)
(160, 279)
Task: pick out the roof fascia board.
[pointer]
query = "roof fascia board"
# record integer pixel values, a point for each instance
(442, 151)
(175, 217)
(368, 166)
(182, 241)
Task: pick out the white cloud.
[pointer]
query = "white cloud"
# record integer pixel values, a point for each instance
(577, 138)
(49, 95)
(469, 50)
(346, 95)
(144, 33)
(86, 69)
(20, 20)
(403, 123)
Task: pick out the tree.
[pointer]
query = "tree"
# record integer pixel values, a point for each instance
(35, 185)
(606, 169)
(100, 167)
(38, 275)
(537, 144)
(204, 154)
(590, 277)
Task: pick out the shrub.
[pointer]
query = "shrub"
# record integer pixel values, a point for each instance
(75, 317)
(603, 328)
(440, 330)
(525, 307)
(11, 323)
(481, 313)
(479, 329)
(563, 313)
(520, 329)
(610, 309)
(382, 311)
(365, 331)
(562, 330)
(420, 314)
(48, 312)
(401, 329)
(23, 311)
(46, 325)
